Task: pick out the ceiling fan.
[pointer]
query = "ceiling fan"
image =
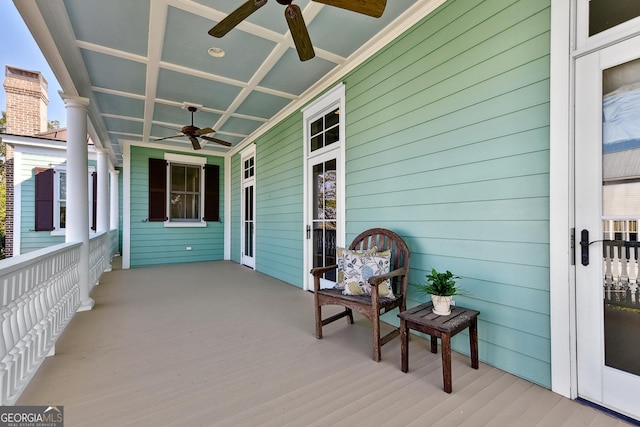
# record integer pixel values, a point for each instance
(193, 132)
(294, 18)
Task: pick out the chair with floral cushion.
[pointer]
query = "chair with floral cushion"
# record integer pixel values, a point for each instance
(372, 278)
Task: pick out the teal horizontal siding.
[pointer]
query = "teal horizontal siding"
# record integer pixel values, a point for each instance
(279, 201)
(151, 242)
(447, 143)
(236, 206)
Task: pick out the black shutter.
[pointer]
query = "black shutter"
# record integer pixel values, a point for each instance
(94, 202)
(44, 199)
(157, 190)
(211, 193)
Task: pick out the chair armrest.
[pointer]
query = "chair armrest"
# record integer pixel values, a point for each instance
(376, 280)
(319, 271)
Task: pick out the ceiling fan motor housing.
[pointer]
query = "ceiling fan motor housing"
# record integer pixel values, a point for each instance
(189, 130)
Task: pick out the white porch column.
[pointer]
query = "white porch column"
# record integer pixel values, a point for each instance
(77, 229)
(103, 192)
(114, 216)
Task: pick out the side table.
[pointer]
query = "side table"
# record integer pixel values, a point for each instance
(423, 319)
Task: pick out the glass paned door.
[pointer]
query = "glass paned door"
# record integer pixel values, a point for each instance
(607, 145)
(248, 223)
(248, 232)
(324, 183)
(324, 214)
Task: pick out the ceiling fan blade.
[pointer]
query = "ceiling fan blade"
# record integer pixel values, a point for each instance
(236, 17)
(195, 142)
(299, 32)
(204, 131)
(167, 137)
(373, 8)
(216, 140)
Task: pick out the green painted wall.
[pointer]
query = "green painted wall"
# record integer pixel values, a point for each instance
(236, 195)
(447, 144)
(153, 243)
(279, 197)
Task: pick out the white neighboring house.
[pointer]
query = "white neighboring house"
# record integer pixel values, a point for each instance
(36, 218)
(36, 167)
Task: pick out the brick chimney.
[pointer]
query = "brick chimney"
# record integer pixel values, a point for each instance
(26, 101)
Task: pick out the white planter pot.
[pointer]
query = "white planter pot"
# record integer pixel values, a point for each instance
(441, 305)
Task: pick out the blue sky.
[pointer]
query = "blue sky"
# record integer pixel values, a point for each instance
(17, 48)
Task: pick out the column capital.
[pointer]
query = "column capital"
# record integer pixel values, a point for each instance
(74, 101)
(114, 172)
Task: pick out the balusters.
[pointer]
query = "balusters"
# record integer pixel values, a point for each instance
(621, 269)
(608, 261)
(633, 265)
(39, 296)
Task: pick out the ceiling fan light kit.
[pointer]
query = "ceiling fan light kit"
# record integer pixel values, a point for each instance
(295, 20)
(216, 52)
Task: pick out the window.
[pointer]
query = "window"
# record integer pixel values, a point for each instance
(60, 197)
(605, 14)
(325, 130)
(51, 198)
(184, 198)
(183, 190)
(249, 168)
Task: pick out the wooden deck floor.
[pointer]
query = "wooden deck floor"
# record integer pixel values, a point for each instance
(217, 344)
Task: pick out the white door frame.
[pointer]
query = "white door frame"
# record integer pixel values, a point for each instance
(603, 385)
(249, 152)
(332, 98)
(568, 42)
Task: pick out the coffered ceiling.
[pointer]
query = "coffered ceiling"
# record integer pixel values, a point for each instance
(141, 61)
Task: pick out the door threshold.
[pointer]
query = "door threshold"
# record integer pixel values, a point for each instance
(608, 411)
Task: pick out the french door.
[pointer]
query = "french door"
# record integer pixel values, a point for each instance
(324, 168)
(248, 207)
(323, 210)
(607, 206)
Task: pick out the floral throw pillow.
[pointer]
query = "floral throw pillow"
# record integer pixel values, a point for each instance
(340, 251)
(358, 268)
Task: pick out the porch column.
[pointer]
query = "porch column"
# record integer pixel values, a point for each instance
(103, 192)
(114, 216)
(77, 228)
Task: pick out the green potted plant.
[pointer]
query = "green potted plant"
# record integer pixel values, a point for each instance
(441, 287)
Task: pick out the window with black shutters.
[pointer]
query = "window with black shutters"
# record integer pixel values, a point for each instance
(51, 199)
(184, 196)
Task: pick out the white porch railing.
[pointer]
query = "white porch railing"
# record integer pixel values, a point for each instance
(115, 240)
(621, 273)
(99, 257)
(40, 294)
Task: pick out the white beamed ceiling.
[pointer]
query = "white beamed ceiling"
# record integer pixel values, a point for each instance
(140, 61)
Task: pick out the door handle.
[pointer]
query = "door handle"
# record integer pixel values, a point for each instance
(584, 245)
